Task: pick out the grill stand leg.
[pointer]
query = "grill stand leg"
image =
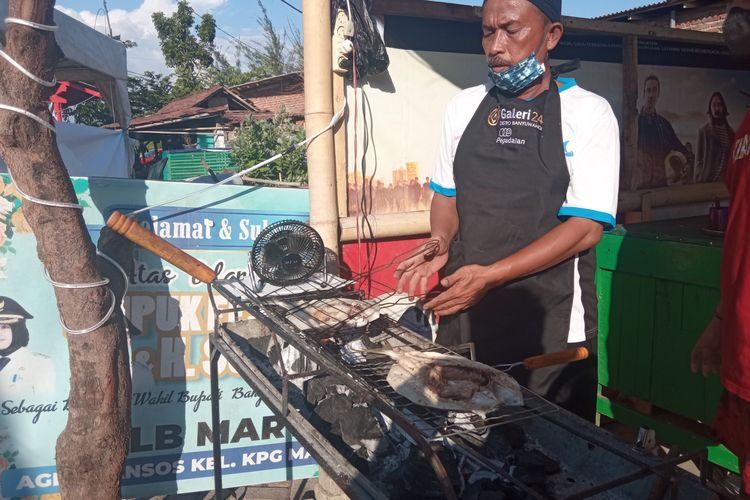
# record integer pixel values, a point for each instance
(215, 417)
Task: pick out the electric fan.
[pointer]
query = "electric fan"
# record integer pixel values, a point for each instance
(287, 252)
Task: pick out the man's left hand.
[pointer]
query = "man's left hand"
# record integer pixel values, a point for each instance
(465, 288)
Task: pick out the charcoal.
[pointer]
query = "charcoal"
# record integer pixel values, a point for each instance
(536, 460)
(357, 424)
(485, 490)
(530, 476)
(317, 388)
(506, 435)
(497, 446)
(492, 495)
(333, 408)
(419, 480)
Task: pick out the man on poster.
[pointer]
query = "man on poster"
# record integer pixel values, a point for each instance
(714, 142)
(724, 346)
(658, 144)
(526, 177)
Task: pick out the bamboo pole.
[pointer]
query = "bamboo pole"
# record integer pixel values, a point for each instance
(321, 167)
(671, 196)
(409, 224)
(387, 226)
(339, 132)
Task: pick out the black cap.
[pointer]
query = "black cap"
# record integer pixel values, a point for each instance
(551, 8)
(11, 311)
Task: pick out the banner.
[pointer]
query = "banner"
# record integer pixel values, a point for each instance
(170, 318)
(692, 97)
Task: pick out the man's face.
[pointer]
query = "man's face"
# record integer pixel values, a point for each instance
(511, 30)
(651, 92)
(717, 108)
(737, 27)
(6, 336)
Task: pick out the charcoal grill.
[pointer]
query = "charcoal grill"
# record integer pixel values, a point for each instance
(325, 349)
(301, 317)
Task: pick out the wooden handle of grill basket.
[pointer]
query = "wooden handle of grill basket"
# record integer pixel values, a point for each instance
(132, 230)
(556, 358)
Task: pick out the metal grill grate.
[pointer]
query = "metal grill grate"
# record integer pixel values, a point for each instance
(326, 319)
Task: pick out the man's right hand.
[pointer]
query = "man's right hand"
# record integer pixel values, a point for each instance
(706, 355)
(420, 265)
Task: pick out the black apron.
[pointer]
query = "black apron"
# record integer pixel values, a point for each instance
(511, 180)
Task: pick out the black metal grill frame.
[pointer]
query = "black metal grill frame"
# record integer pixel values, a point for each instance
(367, 380)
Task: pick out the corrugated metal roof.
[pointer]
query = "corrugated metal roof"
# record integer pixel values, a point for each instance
(636, 10)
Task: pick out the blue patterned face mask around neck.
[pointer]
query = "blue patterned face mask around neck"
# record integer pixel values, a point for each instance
(518, 77)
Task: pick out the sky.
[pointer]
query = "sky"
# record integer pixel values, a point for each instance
(132, 20)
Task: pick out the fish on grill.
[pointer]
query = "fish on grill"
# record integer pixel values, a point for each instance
(330, 313)
(450, 382)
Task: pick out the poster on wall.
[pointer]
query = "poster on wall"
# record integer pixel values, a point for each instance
(691, 99)
(170, 317)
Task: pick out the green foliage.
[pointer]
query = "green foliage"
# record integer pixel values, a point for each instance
(93, 112)
(257, 140)
(280, 51)
(222, 72)
(188, 51)
(149, 93)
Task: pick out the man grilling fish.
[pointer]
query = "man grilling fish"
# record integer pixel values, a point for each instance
(526, 178)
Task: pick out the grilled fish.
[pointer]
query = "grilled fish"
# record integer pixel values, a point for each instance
(330, 313)
(450, 382)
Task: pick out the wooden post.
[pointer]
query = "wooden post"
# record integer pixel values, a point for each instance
(629, 112)
(321, 168)
(339, 132)
(91, 450)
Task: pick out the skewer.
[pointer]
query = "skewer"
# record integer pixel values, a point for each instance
(543, 360)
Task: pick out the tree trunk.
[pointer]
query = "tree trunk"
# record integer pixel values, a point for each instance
(92, 448)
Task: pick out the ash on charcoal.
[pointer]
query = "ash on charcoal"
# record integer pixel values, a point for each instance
(353, 423)
(318, 388)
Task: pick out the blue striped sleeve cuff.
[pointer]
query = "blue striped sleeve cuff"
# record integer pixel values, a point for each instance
(607, 219)
(449, 192)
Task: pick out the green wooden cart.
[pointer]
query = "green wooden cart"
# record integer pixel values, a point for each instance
(658, 286)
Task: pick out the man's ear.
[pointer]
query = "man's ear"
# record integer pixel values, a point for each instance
(554, 35)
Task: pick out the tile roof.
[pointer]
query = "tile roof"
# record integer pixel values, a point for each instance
(193, 106)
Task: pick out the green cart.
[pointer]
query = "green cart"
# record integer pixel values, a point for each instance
(658, 286)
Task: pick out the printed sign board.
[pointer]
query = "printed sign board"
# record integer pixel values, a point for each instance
(170, 317)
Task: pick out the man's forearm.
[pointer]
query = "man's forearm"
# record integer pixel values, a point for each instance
(443, 218)
(561, 243)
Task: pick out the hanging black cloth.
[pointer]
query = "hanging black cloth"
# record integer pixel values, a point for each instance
(371, 57)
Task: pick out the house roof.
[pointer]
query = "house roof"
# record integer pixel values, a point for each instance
(655, 8)
(271, 95)
(263, 99)
(286, 80)
(196, 106)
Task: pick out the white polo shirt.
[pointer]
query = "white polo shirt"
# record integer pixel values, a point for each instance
(591, 139)
(591, 142)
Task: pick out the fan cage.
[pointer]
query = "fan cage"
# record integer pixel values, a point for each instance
(287, 252)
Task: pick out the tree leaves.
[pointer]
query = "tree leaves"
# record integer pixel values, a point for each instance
(189, 54)
(257, 140)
